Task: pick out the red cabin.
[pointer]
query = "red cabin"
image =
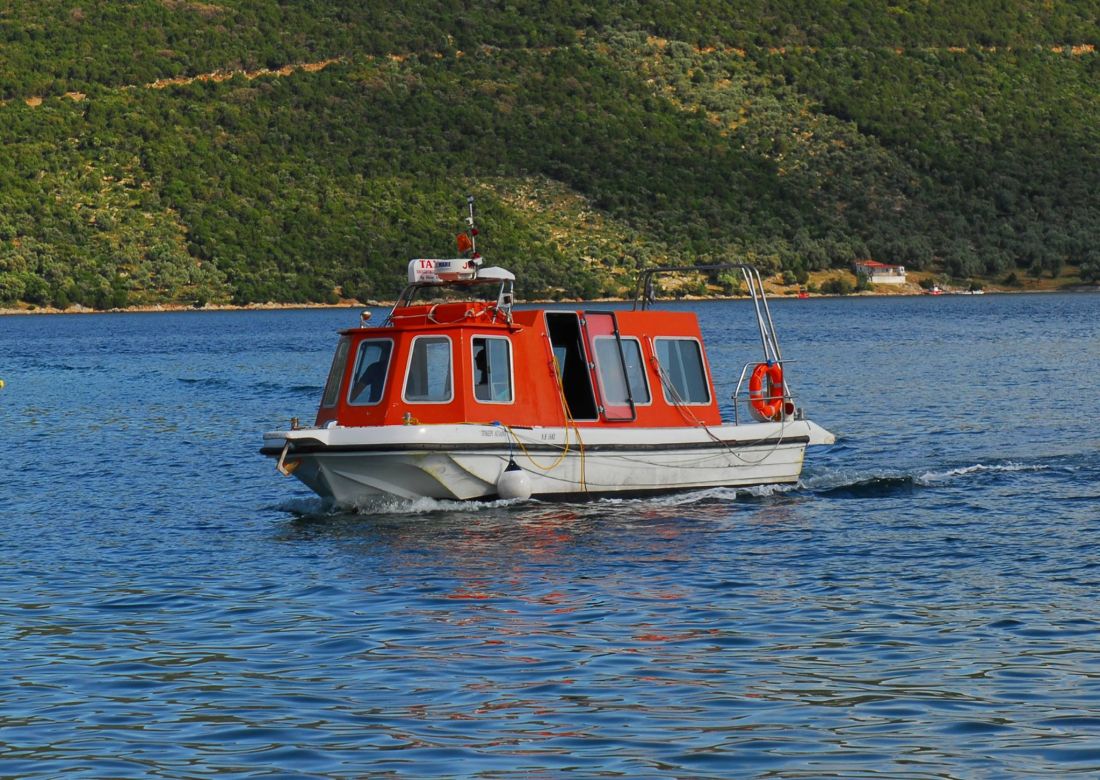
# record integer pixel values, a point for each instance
(470, 362)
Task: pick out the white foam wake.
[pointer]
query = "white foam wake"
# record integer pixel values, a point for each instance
(939, 477)
(315, 507)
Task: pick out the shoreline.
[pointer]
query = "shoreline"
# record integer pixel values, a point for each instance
(181, 307)
(773, 295)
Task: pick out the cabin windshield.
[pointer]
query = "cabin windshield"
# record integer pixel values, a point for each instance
(428, 379)
(372, 364)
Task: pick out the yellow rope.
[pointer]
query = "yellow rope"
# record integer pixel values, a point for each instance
(569, 423)
(535, 463)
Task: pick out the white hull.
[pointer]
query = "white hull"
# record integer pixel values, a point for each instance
(347, 466)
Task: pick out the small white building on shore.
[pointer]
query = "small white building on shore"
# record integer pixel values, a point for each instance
(880, 273)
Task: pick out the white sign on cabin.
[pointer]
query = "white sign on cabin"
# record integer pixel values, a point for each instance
(434, 271)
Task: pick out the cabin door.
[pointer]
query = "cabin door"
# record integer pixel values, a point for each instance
(573, 364)
(608, 366)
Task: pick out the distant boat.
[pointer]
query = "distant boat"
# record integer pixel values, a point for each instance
(934, 290)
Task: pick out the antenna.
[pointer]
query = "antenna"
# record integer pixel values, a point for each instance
(471, 235)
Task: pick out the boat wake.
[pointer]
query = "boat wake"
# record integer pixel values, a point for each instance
(315, 508)
(838, 485)
(847, 485)
(869, 487)
(940, 477)
(834, 485)
(706, 496)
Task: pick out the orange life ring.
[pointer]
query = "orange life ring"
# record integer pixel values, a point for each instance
(767, 406)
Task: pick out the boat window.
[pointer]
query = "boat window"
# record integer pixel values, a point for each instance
(428, 379)
(681, 362)
(492, 369)
(371, 367)
(612, 381)
(336, 373)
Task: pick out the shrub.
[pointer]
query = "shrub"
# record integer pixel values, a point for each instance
(836, 287)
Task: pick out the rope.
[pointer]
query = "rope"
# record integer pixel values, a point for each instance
(680, 404)
(569, 423)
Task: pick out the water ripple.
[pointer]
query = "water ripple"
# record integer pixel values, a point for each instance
(921, 605)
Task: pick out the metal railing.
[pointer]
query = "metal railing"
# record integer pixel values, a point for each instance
(644, 295)
(741, 395)
(504, 296)
(769, 341)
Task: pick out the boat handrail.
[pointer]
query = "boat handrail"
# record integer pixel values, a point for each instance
(505, 296)
(737, 398)
(769, 341)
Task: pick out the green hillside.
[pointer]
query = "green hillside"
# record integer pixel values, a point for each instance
(172, 151)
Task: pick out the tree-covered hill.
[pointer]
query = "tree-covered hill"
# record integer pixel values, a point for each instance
(599, 137)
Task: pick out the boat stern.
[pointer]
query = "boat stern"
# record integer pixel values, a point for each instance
(819, 435)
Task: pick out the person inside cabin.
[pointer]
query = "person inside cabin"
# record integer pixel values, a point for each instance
(492, 380)
(370, 382)
(481, 378)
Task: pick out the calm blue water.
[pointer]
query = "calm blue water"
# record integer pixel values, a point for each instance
(924, 605)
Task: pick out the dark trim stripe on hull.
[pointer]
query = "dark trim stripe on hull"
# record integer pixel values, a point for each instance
(595, 495)
(503, 449)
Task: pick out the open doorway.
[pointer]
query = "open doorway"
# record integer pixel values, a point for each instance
(565, 337)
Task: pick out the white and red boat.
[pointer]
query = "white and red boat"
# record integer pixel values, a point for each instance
(472, 398)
